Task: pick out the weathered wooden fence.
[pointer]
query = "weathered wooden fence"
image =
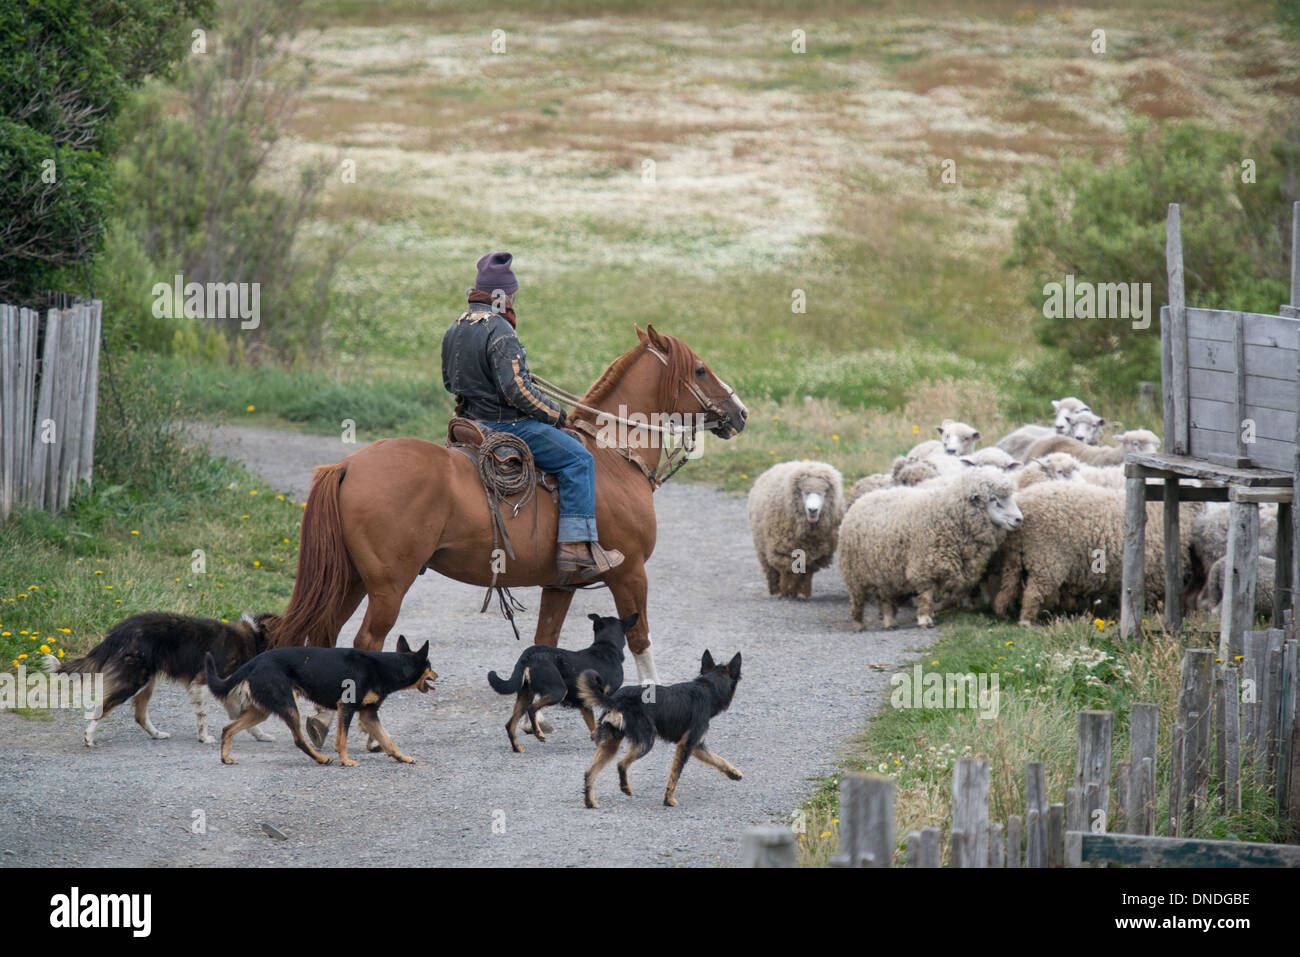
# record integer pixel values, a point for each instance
(1233, 720)
(49, 378)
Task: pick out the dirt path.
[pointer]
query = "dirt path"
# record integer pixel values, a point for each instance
(806, 687)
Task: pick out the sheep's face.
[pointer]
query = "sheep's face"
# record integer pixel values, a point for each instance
(1140, 440)
(1086, 426)
(958, 438)
(813, 491)
(1063, 408)
(1062, 466)
(1002, 508)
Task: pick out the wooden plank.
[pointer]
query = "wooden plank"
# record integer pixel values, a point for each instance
(1231, 738)
(1261, 328)
(1167, 375)
(1179, 442)
(997, 845)
(1220, 448)
(1239, 381)
(1295, 254)
(1197, 493)
(1272, 705)
(1274, 361)
(1074, 816)
(1092, 766)
(1138, 851)
(43, 451)
(1035, 814)
(1282, 567)
(1260, 496)
(1240, 571)
(8, 409)
(930, 856)
(957, 848)
(1195, 713)
(1263, 392)
(1056, 835)
(768, 846)
(90, 408)
(1217, 414)
(1133, 573)
(970, 808)
(29, 325)
(1143, 723)
(866, 821)
(1287, 714)
(1162, 465)
(74, 359)
(1173, 558)
(1015, 829)
(1119, 820)
(1176, 749)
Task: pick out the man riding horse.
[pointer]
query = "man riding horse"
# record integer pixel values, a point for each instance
(485, 367)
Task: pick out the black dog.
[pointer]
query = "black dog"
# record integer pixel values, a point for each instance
(137, 650)
(545, 676)
(679, 713)
(349, 680)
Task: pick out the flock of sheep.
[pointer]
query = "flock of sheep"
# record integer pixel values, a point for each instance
(1037, 519)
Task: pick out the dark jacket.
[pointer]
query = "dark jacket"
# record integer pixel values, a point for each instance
(486, 368)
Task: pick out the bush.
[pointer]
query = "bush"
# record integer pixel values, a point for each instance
(1106, 224)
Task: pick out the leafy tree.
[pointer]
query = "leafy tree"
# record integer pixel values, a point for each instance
(65, 67)
(1106, 224)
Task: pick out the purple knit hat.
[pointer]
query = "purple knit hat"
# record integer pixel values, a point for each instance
(494, 273)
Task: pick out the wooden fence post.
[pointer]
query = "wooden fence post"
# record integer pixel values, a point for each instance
(1035, 814)
(930, 856)
(1015, 829)
(1195, 714)
(1240, 572)
(1056, 835)
(1178, 444)
(1092, 767)
(768, 846)
(1141, 818)
(997, 847)
(1132, 599)
(970, 809)
(866, 821)
(1229, 739)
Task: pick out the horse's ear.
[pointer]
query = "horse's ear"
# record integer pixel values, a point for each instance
(639, 334)
(657, 340)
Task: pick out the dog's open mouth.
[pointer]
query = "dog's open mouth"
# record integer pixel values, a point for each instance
(426, 684)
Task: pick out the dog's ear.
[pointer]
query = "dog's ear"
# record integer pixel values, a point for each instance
(630, 621)
(706, 663)
(594, 617)
(424, 651)
(402, 646)
(733, 667)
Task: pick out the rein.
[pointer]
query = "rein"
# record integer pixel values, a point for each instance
(676, 457)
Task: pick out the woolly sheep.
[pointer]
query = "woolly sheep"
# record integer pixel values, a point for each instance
(1086, 426)
(1056, 465)
(993, 456)
(795, 510)
(1017, 443)
(1211, 597)
(1069, 550)
(958, 438)
(933, 543)
(1138, 440)
(1210, 534)
(868, 483)
(1061, 413)
(1108, 476)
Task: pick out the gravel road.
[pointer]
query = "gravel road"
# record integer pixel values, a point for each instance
(807, 685)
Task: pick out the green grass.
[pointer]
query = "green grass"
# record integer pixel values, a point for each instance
(1046, 676)
(65, 580)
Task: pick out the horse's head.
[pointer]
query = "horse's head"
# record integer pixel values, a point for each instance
(691, 388)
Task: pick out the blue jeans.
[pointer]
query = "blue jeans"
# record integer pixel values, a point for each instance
(569, 461)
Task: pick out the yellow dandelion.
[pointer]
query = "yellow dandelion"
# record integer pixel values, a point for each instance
(251, 408)
(257, 564)
(66, 631)
(252, 491)
(60, 652)
(135, 531)
(835, 438)
(99, 571)
(916, 430)
(45, 649)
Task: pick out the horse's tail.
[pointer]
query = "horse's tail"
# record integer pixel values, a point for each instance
(325, 570)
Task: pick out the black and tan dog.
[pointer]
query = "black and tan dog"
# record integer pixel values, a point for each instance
(544, 676)
(678, 713)
(136, 651)
(346, 679)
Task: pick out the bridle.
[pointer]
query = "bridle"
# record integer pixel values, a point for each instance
(679, 454)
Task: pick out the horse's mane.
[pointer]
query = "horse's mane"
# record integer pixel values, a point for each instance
(681, 363)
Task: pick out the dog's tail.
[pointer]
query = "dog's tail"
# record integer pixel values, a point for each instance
(593, 696)
(218, 685)
(95, 660)
(509, 686)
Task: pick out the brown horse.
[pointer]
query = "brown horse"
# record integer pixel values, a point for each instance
(378, 518)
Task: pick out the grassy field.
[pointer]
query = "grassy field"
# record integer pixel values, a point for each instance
(1045, 676)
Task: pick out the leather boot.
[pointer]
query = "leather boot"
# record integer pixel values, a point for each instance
(586, 561)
